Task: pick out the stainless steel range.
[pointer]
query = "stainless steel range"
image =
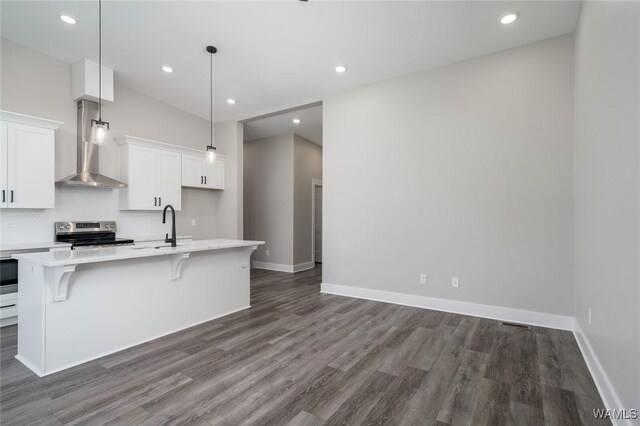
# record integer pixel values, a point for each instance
(89, 234)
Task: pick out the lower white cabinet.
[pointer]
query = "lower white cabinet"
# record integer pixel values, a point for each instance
(27, 162)
(153, 176)
(199, 172)
(8, 309)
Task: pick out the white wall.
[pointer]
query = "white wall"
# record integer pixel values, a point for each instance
(277, 198)
(607, 190)
(228, 213)
(39, 85)
(268, 197)
(465, 171)
(307, 158)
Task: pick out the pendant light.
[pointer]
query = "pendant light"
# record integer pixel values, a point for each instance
(211, 150)
(99, 128)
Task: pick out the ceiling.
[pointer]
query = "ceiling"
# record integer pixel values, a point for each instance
(275, 54)
(310, 126)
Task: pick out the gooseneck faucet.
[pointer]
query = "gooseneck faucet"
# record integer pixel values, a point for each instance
(171, 240)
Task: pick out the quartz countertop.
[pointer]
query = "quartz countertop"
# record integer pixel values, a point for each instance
(107, 254)
(153, 238)
(32, 245)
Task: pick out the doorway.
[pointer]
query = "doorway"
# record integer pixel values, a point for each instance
(316, 220)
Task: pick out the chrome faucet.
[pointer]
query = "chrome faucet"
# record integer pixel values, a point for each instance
(171, 240)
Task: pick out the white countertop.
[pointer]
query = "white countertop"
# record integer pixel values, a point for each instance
(32, 245)
(155, 238)
(106, 254)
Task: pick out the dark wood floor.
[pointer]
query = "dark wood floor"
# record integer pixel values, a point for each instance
(299, 357)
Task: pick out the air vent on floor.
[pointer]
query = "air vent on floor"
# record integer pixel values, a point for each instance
(513, 324)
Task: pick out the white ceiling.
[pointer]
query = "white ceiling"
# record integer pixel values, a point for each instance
(310, 126)
(275, 54)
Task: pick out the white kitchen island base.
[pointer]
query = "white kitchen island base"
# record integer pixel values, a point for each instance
(75, 308)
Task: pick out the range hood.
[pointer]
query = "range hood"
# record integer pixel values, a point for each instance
(88, 155)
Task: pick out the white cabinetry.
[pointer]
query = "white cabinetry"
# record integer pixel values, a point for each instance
(153, 175)
(8, 309)
(27, 161)
(199, 172)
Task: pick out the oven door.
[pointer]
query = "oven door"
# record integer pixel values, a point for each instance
(8, 275)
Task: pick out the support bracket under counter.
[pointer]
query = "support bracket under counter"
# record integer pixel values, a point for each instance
(177, 260)
(58, 278)
(247, 256)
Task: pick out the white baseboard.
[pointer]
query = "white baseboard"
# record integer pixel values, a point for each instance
(30, 366)
(280, 267)
(303, 266)
(599, 375)
(541, 319)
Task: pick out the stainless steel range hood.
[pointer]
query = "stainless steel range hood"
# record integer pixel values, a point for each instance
(88, 156)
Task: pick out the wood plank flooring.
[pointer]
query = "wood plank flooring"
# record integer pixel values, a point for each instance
(298, 357)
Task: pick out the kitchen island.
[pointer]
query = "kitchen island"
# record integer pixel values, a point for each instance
(79, 305)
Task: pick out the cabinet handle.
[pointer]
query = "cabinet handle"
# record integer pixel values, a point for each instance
(3, 195)
(155, 201)
(8, 306)
(205, 180)
(12, 195)
(201, 180)
(160, 201)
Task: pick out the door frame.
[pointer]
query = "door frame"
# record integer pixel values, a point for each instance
(314, 184)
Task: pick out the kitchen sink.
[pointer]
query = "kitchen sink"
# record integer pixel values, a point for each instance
(154, 247)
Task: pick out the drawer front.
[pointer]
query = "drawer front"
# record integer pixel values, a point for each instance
(8, 305)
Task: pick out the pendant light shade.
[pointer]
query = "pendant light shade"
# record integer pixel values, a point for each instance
(99, 132)
(99, 127)
(211, 149)
(211, 153)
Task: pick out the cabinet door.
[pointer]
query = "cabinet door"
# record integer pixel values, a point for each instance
(30, 167)
(214, 173)
(169, 178)
(192, 170)
(3, 165)
(142, 172)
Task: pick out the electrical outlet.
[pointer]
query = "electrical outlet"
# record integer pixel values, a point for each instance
(589, 315)
(193, 222)
(423, 278)
(455, 282)
(267, 252)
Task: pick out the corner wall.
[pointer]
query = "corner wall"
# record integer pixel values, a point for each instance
(268, 198)
(307, 158)
(465, 170)
(278, 172)
(607, 195)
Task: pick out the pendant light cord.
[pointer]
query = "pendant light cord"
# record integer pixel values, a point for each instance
(211, 98)
(100, 60)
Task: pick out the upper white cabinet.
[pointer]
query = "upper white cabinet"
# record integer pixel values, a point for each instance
(153, 174)
(27, 161)
(199, 172)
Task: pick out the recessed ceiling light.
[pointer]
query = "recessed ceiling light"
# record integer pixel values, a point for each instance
(296, 121)
(167, 69)
(508, 18)
(341, 68)
(231, 101)
(68, 19)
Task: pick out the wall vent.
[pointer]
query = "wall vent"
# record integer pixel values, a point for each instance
(513, 324)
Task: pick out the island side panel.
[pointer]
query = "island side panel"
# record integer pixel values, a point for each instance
(31, 316)
(119, 304)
